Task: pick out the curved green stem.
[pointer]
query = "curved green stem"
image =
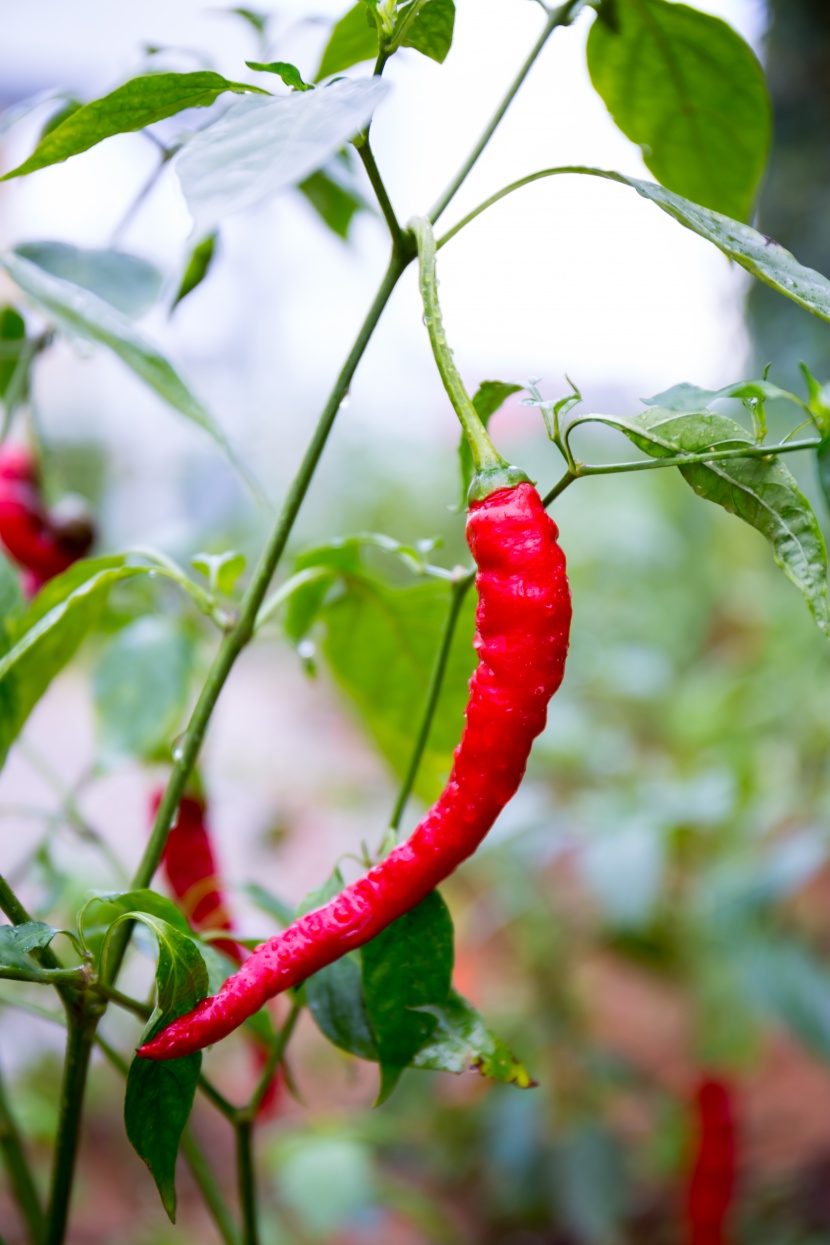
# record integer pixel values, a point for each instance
(458, 591)
(485, 456)
(558, 17)
(20, 1173)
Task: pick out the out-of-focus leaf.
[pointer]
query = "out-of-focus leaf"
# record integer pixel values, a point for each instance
(79, 311)
(686, 397)
(352, 40)
(407, 968)
(791, 984)
(17, 941)
(334, 202)
(269, 903)
(427, 26)
(490, 395)
(589, 1184)
(133, 106)
(690, 91)
(261, 146)
(140, 684)
(326, 1181)
(761, 491)
(12, 345)
(289, 73)
(197, 267)
(160, 1093)
(128, 283)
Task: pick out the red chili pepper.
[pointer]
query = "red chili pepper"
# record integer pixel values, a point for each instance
(711, 1188)
(191, 870)
(523, 622)
(43, 545)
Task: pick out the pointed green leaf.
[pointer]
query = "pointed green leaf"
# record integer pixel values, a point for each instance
(336, 204)
(462, 1040)
(133, 106)
(352, 40)
(289, 73)
(427, 26)
(197, 267)
(690, 91)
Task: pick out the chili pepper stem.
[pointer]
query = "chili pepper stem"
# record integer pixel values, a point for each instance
(491, 470)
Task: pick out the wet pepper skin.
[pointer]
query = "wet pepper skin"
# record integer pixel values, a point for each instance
(522, 627)
(42, 546)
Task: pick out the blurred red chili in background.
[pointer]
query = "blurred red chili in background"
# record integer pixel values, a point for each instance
(713, 1172)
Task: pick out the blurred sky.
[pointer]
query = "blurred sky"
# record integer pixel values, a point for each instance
(568, 275)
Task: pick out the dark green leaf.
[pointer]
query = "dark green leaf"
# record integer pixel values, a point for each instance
(289, 73)
(81, 312)
(124, 281)
(12, 340)
(761, 491)
(140, 684)
(491, 394)
(690, 91)
(335, 203)
(197, 267)
(406, 968)
(352, 40)
(133, 106)
(160, 1093)
(48, 635)
(336, 1001)
(462, 1040)
(17, 941)
(427, 26)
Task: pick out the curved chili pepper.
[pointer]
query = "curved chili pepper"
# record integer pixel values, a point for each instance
(523, 622)
(43, 545)
(191, 870)
(712, 1181)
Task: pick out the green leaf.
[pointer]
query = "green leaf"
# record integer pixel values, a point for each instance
(761, 491)
(269, 903)
(140, 685)
(43, 640)
(407, 968)
(261, 146)
(197, 267)
(380, 643)
(490, 395)
(337, 204)
(427, 26)
(221, 570)
(128, 283)
(352, 40)
(17, 941)
(336, 1001)
(690, 91)
(12, 342)
(81, 312)
(686, 397)
(259, 21)
(160, 1093)
(289, 73)
(823, 464)
(133, 106)
(461, 1039)
(790, 983)
(818, 401)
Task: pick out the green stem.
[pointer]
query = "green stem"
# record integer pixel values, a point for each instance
(246, 1177)
(275, 1057)
(209, 1189)
(77, 977)
(559, 488)
(458, 591)
(367, 157)
(20, 1174)
(81, 1026)
(485, 456)
(238, 637)
(558, 17)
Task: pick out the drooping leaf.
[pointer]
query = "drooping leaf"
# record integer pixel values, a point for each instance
(427, 26)
(407, 968)
(197, 267)
(488, 398)
(79, 311)
(289, 73)
(126, 282)
(690, 91)
(352, 40)
(759, 490)
(140, 685)
(133, 106)
(261, 146)
(44, 639)
(160, 1094)
(12, 346)
(462, 1040)
(336, 203)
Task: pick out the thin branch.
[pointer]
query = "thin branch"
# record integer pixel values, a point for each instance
(20, 1173)
(384, 202)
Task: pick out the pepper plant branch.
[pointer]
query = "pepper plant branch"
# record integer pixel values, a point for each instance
(275, 1058)
(246, 1180)
(364, 150)
(560, 16)
(81, 1026)
(458, 591)
(482, 448)
(21, 1179)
